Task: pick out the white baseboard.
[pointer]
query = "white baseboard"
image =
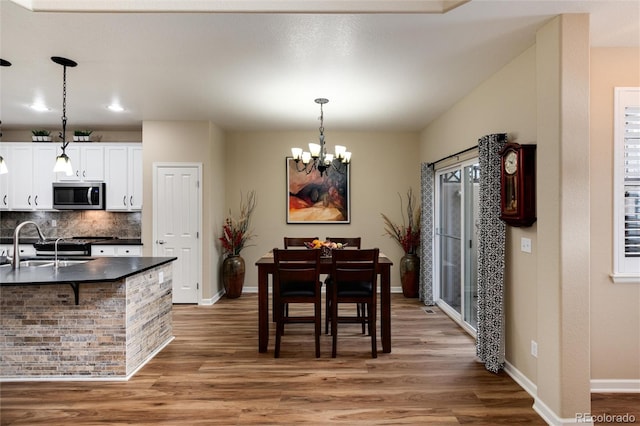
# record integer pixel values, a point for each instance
(547, 414)
(521, 379)
(212, 300)
(615, 386)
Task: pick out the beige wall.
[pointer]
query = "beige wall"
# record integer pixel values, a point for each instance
(192, 142)
(503, 103)
(383, 165)
(615, 317)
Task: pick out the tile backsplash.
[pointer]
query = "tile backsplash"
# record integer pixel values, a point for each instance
(77, 223)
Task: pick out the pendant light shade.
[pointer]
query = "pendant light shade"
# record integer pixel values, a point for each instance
(63, 165)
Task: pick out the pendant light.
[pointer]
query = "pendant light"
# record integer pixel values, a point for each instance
(317, 156)
(63, 162)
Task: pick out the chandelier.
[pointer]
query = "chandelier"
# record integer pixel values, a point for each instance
(317, 156)
(63, 163)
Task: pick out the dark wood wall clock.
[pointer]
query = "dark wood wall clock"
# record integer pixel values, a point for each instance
(518, 184)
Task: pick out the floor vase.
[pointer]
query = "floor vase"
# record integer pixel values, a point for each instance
(409, 274)
(233, 270)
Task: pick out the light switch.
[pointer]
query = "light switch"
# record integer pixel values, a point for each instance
(160, 277)
(525, 244)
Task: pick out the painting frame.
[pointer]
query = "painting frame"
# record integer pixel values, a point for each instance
(315, 198)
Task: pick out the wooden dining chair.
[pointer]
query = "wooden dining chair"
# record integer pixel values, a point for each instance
(296, 279)
(354, 274)
(297, 241)
(352, 242)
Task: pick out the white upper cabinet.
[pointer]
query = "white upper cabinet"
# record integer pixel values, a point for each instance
(123, 174)
(87, 162)
(27, 186)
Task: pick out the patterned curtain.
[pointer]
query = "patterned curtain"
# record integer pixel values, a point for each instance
(491, 249)
(427, 190)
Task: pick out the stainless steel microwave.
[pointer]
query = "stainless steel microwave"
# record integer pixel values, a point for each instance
(79, 195)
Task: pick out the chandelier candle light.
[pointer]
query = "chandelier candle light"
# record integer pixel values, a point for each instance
(63, 163)
(317, 156)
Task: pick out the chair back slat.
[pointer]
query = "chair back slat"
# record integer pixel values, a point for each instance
(297, 241)
(352, 242)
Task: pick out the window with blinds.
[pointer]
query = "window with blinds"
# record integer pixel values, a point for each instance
(627, 185)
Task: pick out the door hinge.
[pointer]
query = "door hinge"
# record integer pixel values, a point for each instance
(197, 184)
(197, 286)
(197, 234)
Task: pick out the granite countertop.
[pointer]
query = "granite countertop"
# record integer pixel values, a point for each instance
(98, 269)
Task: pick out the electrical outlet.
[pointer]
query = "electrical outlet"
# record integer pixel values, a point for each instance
(161, 277)
(525, 244)
(54, 223)
(534, 349)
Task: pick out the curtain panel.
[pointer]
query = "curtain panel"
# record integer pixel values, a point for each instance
(491, 252)
(427, 191)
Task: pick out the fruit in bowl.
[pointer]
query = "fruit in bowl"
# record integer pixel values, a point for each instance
(316, 244)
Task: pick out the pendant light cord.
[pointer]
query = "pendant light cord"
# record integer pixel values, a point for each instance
(63, 134)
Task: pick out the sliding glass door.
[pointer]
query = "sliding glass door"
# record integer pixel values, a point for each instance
(457, 195)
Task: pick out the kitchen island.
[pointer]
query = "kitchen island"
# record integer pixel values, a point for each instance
(99, 319)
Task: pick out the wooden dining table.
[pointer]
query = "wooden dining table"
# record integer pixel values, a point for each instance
(266, 268)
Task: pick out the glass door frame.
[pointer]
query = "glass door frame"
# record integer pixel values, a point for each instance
(458, 317)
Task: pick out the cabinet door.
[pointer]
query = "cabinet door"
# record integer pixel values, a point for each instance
(44, 158)
(87, 162)
(102, 250)
(116, 171)
(4, 179)
(92, 158)
(21, 180)
(128, 251)
(135, 178)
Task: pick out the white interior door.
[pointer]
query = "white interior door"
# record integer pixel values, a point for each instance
(177, 206)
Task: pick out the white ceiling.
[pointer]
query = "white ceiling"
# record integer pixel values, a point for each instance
(262, 71)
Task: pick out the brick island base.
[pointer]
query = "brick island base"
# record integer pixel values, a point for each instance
(115, 329)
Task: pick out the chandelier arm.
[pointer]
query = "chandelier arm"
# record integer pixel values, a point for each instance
(305, 167)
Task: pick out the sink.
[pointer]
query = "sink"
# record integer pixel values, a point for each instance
(43, 263)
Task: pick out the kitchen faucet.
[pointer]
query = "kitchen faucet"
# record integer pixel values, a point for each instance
(55, 250)
(15, 262)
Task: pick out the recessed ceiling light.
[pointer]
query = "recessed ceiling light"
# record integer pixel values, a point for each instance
(115, 108)
(39, 106)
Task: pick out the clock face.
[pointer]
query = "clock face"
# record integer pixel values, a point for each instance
(511, 162)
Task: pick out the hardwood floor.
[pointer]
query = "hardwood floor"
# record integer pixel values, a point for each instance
(212, 374)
